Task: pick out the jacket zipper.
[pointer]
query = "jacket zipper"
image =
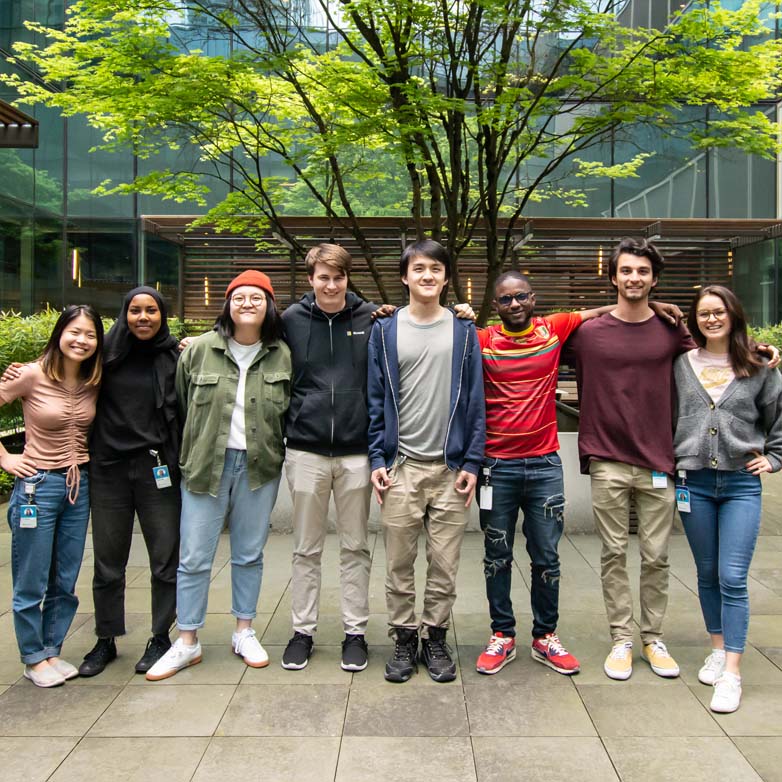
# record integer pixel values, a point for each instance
(331, 348)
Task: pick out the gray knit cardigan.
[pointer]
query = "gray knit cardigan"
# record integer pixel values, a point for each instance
(725, 436)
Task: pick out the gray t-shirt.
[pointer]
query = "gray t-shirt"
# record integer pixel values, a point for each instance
(425, 358)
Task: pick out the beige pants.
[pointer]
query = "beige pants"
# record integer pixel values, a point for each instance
(612, 483)
(312, 478)
(422, 496)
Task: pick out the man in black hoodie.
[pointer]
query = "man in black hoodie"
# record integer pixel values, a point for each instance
(327, 332)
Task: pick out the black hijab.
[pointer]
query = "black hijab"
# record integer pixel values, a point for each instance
(161, 351)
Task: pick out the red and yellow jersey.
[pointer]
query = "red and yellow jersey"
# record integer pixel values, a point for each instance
(520, 380)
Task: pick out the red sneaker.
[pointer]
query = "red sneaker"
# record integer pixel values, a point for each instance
(549, 651)
(497, 654)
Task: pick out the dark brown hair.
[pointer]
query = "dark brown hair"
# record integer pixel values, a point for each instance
(52, 358)
(741, 349)
(643, 248)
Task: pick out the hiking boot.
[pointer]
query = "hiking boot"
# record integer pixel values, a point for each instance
(436, 655)
(354, 653)
(298, 652)
(96, 660)
(549, 651)
(498, 653)
(157, 646)
(404, 660)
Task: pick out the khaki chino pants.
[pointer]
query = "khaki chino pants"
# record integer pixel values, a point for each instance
(612, 483)
(422, 496)
(312, 479)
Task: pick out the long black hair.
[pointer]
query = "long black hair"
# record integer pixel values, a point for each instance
(271, 328)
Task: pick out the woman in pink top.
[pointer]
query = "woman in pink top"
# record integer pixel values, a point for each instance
(49, 507)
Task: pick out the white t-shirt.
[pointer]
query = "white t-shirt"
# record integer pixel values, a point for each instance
(244, 355)
(713, 370)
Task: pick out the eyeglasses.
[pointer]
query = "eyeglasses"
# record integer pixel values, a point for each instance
(706, 314)
(255, 300)
(521, 297)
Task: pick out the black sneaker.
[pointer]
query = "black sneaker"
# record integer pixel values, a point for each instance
(297, 652)
(96, 660)
(436, 655)
(157, 646)
(354, 653)
(404, 661)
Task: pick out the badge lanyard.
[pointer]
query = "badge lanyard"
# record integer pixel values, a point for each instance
(160, 473)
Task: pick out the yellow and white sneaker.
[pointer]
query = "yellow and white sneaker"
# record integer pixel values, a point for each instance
(619, 663)
(657, 655)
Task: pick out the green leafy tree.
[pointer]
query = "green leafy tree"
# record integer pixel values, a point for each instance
(461, 112)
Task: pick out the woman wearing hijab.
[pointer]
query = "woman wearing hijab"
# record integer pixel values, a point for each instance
(134, 451)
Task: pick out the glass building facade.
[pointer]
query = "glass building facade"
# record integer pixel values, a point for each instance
(60, 244)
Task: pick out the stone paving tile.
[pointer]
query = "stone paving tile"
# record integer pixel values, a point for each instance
(27, 710)
(765, 755)
(534, 708)
(760, 713)
(695, 759)
(645, 710)
(323, 668)
(285, 710)
(384, 758)
(406, 710)
(187, 710)
(773, 654)
(15, 758)
(756, 668)
(554, 759)
(219, 665)
(277, 759)
(373, 675)
(145, 759)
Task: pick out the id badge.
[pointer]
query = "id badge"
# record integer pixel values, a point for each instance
(28, 516)
(659, 480)
(484, 497)
(162, 477)
(683, 498)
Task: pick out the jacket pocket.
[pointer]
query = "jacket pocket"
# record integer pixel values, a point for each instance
(277, 388)
(204, 388)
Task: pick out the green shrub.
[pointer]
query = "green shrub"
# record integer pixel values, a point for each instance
(769, 334)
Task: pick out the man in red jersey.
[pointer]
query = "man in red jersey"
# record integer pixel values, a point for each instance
(522, 469)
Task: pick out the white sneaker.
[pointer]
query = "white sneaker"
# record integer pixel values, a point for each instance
(713, 666)
(175, 659)
(727, 693)
(64, 668)
(46, 677)
(247, 646)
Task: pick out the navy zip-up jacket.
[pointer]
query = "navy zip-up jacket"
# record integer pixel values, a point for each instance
(466, 434)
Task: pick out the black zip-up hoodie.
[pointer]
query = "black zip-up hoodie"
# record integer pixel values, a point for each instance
(328, 410)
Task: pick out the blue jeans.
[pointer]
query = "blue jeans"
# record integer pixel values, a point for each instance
(202, 522)
(534, 485)
(45, 562)
(722, 529)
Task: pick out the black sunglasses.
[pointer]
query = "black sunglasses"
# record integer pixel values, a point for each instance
(505, 301)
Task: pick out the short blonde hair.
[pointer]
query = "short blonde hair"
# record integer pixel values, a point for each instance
(332, 255)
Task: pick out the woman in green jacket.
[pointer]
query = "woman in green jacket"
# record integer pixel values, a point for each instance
(233, 386)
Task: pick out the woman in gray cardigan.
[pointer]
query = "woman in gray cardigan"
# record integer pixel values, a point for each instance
(728, 432)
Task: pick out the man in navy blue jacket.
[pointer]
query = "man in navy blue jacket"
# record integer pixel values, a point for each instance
(427, 431)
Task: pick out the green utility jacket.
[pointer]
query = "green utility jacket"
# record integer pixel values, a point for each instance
(206, 381)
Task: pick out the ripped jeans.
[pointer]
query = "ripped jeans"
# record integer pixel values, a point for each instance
(536, 487)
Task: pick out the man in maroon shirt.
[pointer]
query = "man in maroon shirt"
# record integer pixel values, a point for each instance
(625, 381)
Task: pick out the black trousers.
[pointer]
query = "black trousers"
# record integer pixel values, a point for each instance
(117, 493)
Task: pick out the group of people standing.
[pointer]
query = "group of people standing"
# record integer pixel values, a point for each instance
(418, 405)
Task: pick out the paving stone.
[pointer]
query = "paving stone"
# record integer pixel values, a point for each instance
(764, 753)
(20, 764)
(696, 759)
(760, 713)
(285, 710)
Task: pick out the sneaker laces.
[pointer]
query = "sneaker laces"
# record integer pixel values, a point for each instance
(438, 649)
(555, 648)
(714, 661)
(246, 636)
(300, 639)
(403, 650)
(496, 645)
(354, 640)
(658, 647)
(620, 651)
